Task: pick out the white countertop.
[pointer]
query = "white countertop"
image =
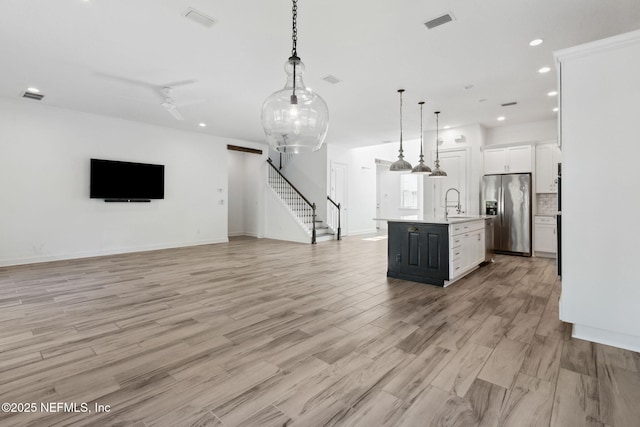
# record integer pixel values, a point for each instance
(425, 219)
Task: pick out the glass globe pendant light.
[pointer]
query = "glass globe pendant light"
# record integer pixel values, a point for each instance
(421, 168)
(437, 171)
(295, 118)
(401, 164)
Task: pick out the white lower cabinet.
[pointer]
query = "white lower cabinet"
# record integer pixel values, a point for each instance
(544, 234)
(466, 247)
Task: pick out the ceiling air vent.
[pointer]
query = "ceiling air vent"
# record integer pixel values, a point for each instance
(331, 79)
(199, 17)
(31, 95)
(440, 20)
(509, 104)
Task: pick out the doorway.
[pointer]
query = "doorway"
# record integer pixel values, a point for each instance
(245, 198)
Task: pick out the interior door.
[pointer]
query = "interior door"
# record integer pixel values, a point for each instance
(338, 193)
(386, 188)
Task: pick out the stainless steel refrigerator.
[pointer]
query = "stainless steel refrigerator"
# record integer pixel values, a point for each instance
(509, 198)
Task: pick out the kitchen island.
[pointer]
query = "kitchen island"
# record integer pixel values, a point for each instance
(436, 251)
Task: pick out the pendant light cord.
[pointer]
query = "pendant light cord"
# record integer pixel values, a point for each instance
(437, 137)
(400, 91)
(294, 49)
(421, 144)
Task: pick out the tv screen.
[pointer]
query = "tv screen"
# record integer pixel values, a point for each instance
(112, 179)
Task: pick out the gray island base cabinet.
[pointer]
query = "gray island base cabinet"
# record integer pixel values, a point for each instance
(434, 253)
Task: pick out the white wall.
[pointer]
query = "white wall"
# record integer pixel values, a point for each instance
(280, 222)
(600, 175)
(46, 212)
(546, 130)
(254, 197)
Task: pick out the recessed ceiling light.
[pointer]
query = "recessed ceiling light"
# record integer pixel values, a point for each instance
(555, 110)
(203, 125)
(447, 127)
(544, 70)
(33, 90)
(535, 42)
(501, 118)
(553, 93)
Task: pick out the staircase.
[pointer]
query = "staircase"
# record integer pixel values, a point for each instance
(301, 208)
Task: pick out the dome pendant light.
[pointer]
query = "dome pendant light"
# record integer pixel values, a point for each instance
(401, 164)
(295, 118)
(421, 168)
(437, 171)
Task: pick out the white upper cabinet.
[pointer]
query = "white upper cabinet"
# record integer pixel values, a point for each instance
(507, 160)
(495, 161)
(547, 158)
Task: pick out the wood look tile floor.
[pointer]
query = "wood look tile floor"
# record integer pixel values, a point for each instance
(268, 333)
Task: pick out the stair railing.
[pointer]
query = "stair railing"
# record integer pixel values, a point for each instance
(284, 159)
(300, 205)
(337, 205)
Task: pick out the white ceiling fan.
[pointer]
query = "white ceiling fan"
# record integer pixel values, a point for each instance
(165, 91)
(169, 105)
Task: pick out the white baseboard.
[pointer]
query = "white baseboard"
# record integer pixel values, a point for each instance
(601, 336)
(366, 231)
(91, 254)
(244, 233)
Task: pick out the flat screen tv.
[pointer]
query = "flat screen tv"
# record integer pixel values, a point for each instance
(125, 181)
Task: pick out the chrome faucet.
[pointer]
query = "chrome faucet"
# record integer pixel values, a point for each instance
(446, 203)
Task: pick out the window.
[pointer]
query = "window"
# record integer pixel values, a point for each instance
(409, 191)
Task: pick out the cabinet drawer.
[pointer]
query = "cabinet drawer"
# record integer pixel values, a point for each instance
(455, 268)
(473, 226)
(456, 253)
(456, 241)
(455, 229)
(465, 227)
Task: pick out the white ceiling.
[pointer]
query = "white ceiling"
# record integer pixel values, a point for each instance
(111, 57)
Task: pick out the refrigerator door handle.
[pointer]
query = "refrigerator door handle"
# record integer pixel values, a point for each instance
(500, 204)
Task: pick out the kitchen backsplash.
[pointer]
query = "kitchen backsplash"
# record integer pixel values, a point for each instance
(547, 204)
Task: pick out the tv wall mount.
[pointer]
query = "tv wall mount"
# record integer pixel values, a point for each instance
(127, 200)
